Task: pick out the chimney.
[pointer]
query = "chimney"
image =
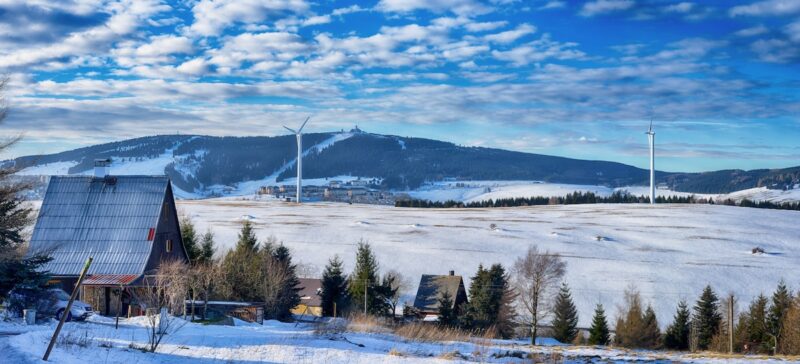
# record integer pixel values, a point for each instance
(452, 273)
(101, 167)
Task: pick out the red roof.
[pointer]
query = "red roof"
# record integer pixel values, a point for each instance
(109, 279)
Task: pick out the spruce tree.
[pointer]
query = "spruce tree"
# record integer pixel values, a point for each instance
(281, 285)
(365, 278)
(189, 236)
(207, 248)
(677, 335)
(598, 333)
(781, 301)
(707, 317)
(247, 238)
(565, 316)
(758, 324)
(334, 287)
(474, 315)
(447, 314)
(651, 335)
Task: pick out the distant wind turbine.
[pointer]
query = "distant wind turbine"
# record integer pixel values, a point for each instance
(299, 135)
(651, 137)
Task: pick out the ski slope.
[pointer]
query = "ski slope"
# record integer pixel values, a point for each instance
(669, 252)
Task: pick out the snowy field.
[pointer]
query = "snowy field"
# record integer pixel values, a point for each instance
(670, 252)
(97, 341)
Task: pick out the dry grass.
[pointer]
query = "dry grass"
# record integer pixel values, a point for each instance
(367, 323)
(395, 352)
(430, 333)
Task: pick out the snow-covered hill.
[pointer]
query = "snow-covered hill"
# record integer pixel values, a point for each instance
(670, 252)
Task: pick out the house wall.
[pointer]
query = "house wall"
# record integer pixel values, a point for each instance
(167, 229)
(302, 309)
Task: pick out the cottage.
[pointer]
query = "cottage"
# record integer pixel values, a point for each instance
(310, 297)
(432, 287)
(128, 224)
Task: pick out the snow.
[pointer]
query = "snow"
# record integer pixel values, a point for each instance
(670, 252)
(476, 191)
(276, 342)
(764, 194)
(48, 169)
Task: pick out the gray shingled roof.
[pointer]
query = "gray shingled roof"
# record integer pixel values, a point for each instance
(432, 287)
(83, 216)
(310, 292)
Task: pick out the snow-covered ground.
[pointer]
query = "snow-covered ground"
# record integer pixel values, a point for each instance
(97, 341)
(670, 252)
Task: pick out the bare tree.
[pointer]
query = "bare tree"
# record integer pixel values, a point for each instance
(161, 295)
(398, 285)
(535, 276)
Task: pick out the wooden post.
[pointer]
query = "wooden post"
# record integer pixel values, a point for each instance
(119, 307)
(334, 310)
(730, 325)
(68, 309)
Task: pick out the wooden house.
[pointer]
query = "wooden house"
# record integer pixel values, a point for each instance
(432, 287)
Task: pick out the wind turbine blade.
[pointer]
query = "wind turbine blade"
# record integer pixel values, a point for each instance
(290, 129)
(651, 124)
(303, 126)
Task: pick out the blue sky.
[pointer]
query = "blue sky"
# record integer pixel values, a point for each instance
(571, 78)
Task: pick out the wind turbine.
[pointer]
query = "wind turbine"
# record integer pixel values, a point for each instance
(299, 135)
(651, 137)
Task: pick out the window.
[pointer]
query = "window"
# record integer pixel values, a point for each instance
(169, 246)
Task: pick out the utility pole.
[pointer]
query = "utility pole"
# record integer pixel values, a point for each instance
(730, 324)
(68, 308)
(366, 282)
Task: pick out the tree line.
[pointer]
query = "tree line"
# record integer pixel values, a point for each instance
(580, 198)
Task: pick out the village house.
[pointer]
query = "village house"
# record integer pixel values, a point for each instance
(432, 287)
(128, 224)
(310, 297)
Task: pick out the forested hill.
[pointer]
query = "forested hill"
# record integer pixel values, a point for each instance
(200, 164)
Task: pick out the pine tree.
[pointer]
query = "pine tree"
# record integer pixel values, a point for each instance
(189, 236)
(565, 316)
(781, 301)
(207, 248)
(598, 333)
(447, 314)
(757, 328)
(651, 335)
(707, 317)
(677, 335)
(247, 237)
(334, 287)
(490, 302)
(365, 278)
(630, 325)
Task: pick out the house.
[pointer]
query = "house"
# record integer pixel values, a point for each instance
(432, 287)
(128, 224)
(310, 298)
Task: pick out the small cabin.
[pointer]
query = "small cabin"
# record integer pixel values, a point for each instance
(433, 287)
(310, 297)
(127, 224)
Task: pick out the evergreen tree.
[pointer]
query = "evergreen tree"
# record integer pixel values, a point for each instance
(651, 335)
(190, 243)
(365, 279)
(280, 285)
(598, 333)
(757, 325)
(630, 324)
(565, 316)
(447, 314)
(334, 287)
(247, 237)
(207, 248)
(707, 317)
(677, 335)
(781, 301)
(474, 314)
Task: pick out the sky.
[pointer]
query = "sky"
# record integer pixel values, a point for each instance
(582, 79)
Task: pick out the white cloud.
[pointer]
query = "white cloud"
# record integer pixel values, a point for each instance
(212, 17)
(539, 50)
(348, 10)
(461, 7)
(598, 7)
(775, 50)
(767, 7)
(554, 4)
(752, 31)
(274, 46)
(793, 31)
(511, 35)
(485, 26)
(194, 67)
(317, 20)
(682, 7)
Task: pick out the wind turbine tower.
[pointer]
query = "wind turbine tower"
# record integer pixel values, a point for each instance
(651, 137)
(299, 135)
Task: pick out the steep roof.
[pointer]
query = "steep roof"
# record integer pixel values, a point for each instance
(432, 287)
(109, 219)
(310, 292)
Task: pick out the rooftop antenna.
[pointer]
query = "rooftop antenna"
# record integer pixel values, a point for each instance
(651, 138)
(299, 135)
